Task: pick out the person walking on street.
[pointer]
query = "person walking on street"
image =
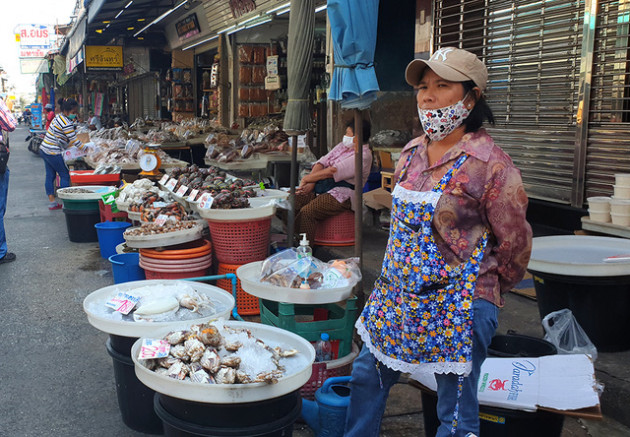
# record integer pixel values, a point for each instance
(50, 114)
(7, 124)
(60, 135)
(458, 241)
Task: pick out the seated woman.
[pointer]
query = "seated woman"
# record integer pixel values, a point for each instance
(328, 190)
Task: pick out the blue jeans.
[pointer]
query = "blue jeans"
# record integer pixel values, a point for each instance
(4, 192)
(369, 392)
(55, 165)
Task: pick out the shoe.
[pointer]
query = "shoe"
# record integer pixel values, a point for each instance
(57, 206)
(8, 258)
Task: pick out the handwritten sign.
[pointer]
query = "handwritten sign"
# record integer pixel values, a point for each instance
(205, 201)
(161, 219)
(151, 349)
(122, 302)
(182, 190)
(164, 179)
(171, 184)
(193, 195)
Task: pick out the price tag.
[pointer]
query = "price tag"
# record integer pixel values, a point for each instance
(151, 349)
(171, 184)
(161, 219)
(123, 302)
(164, 179)
(182, 190)
(193, 195)
(159, 204)
(205, 201)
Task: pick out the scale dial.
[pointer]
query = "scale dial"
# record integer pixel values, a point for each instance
(149, 162)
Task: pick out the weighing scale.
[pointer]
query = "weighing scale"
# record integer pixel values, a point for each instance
(149, 161)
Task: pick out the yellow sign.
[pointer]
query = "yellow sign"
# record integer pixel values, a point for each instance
(104, 57)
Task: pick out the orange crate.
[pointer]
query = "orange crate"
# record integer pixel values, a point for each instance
(246, 304)
(336, 231)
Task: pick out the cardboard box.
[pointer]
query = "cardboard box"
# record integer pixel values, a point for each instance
(558, 382)
(378, 199)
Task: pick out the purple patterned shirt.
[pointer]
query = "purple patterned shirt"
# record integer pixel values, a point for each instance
(486, 192)
(342, 158)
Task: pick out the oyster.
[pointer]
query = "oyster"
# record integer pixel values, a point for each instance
(179, 351)
(194, 349)
(175, 337)
(168, 361)
(225, 375)
(210, 336)
(284, 353)
(269, 377)
(210, 360)
(233, 347)
(231, 361)
(242, 377)
(201, 376)
(178, 370)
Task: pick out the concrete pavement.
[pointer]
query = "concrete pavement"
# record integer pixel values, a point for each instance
(56, 376)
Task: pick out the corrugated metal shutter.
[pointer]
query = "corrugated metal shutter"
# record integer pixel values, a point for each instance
(608, 149)
(142, 98)
(532, 50)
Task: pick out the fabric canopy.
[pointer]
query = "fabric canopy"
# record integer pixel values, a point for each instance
(297, 118)
(353, 26)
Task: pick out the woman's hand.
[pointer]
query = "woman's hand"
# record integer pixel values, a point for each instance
(305, 188)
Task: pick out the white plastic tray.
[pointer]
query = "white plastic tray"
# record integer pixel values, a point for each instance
(96, 192)
(236, 393)
(579, 255)
(261, 208)
(222, 300)
(270, 194)
(247, 164)
(167, 239)
(249, 274)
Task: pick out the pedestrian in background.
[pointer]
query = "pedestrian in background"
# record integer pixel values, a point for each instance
(94, 122)
(7, 124)
(50, 114)
(60, 135)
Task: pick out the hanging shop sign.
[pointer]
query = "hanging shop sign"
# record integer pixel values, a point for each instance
(32, 53)
(104, 58)
(33, 36)
(241, 7)
(187, 27)
(33, 65)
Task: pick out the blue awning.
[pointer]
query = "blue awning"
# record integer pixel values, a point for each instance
(353, 26)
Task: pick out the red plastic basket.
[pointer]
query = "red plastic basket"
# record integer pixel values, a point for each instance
(240, 242)
(246, 304)
(327, 369)
(108, 216)
(336, 231)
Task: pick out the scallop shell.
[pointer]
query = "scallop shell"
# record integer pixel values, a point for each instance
(225, 375)
(210, 360)
(178, 371)
(194, 349)
(175, 337)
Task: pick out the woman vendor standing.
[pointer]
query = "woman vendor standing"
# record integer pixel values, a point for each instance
(328, 190)
(458, 241)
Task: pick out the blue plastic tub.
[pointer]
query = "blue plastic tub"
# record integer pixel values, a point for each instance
(126, 267)
(110, 235)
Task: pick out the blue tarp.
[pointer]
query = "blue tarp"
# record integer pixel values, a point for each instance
(353, 26)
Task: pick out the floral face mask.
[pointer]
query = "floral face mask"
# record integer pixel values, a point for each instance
(439, 123)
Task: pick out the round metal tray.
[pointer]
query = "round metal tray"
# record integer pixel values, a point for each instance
(249, 274)
(96, 192)
(223, 301)
(168, 239)
(298, 373)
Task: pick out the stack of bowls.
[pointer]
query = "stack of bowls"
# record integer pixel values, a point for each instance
(184, 261)
(620, 203)
(599, 208)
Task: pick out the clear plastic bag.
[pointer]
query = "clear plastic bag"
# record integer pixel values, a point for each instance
(566, 334)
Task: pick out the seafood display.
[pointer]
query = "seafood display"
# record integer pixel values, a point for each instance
(263, 139)
(158, 302)
(214, 353)
(156, 229)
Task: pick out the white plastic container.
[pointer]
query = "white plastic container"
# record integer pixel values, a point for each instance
(622, 179)
(622, 191)
(598, 204)
(620, 219)
(599, 216)
(619, 206)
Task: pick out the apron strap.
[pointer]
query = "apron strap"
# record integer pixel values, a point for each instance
(440, 186)
(403, 172)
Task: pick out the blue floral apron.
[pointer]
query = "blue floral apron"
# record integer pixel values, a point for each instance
(418, 318)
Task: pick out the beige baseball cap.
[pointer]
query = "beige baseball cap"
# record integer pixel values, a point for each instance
(452, 64)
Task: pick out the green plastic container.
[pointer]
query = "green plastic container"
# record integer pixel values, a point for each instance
(84, 205)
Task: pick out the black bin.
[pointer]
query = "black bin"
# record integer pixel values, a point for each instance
(80, 224)
(267, 418)
(501, 422)
(135, 400)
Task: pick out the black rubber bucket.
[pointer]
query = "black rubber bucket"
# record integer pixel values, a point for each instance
(121, 344)
(501, 422)
(80, 224)
(135, 400)
(268, 418)
(600, 305)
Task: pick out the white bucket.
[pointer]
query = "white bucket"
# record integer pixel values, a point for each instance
(599, 204)
(619, 206)
(621, 219)
(599, 216)
(622, 179)
(622, 191)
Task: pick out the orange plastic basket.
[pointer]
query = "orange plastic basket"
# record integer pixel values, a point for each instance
(240, 242)
(336, 231)
(246, 304)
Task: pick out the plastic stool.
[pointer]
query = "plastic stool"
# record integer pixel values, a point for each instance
(336, 231)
